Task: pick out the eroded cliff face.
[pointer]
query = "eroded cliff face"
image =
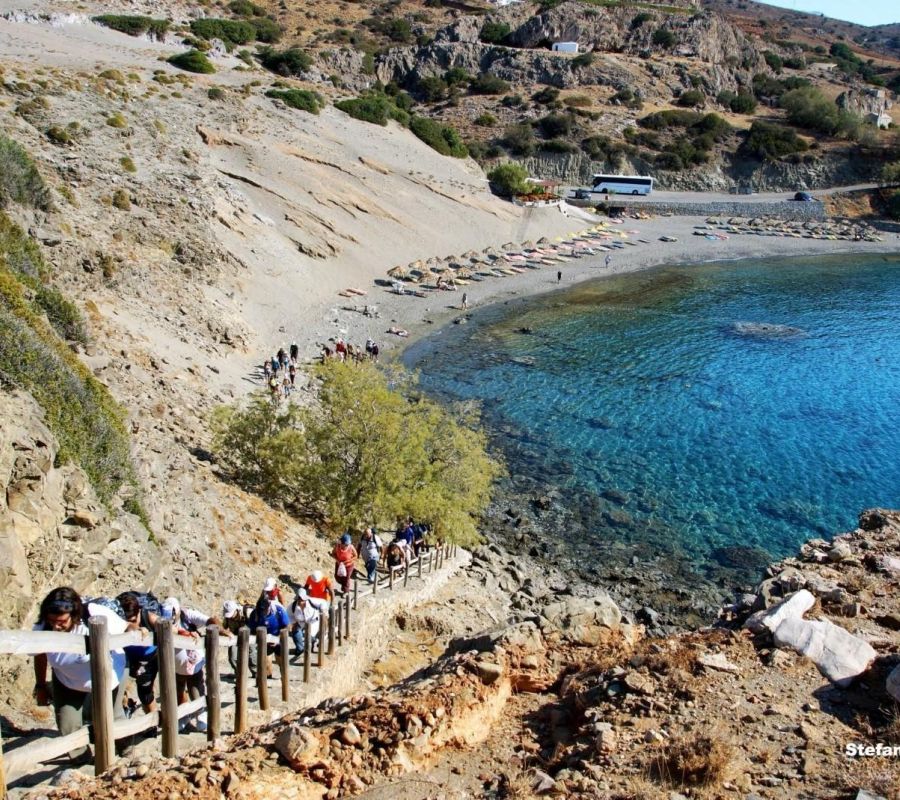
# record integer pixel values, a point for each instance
(52, 526)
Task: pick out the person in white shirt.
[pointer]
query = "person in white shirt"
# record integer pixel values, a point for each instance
(303, 611)
(370, 549)
(63, 611)
(189, 680)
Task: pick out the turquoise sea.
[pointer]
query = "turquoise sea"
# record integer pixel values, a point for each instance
(711, 410)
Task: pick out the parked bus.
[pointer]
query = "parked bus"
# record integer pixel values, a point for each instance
(622, 184)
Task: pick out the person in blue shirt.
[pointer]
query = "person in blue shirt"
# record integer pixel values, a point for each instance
(274, 618)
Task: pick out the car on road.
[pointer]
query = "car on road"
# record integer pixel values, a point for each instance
(582, 194)
(803, 197)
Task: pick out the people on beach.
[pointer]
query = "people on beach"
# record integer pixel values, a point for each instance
(465, 300)
(608, 260)
(558, 275)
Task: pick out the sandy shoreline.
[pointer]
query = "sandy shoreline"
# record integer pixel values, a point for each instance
(422, 316)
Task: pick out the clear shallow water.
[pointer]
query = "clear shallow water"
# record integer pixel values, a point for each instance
(639, 399)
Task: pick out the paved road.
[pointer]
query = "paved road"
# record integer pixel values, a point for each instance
(723, 197)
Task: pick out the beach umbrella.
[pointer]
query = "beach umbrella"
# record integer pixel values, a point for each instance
(464, 272)
(396, 272)
(543, 240)
(510, 246)
(471, 254)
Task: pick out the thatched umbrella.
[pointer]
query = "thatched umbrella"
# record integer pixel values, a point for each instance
(510, 246)
(397, 272)
(464, 272)
(543, 240)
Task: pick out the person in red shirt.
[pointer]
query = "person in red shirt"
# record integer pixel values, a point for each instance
(344, 554)
(318, 586)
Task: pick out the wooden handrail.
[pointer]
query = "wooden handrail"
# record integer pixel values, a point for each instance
(32, 643)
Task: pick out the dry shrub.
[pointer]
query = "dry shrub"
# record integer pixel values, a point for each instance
(696, 760)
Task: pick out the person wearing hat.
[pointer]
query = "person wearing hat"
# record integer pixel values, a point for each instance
(232, 621)
(303, 612)
(189, 681)
(344, 555)
(272, 592)
(318, 587)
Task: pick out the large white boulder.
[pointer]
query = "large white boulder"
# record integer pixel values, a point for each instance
(792, 607)
(839, 655)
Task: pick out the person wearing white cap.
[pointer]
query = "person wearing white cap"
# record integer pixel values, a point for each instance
(232, 621)
(272, 592)
(189, 664)
(302, 612)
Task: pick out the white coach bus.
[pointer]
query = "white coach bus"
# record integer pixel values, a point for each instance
(622, 184)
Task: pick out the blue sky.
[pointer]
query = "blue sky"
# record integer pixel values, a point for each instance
(871, 12)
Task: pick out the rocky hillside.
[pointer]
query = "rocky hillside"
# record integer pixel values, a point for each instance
(567, 698)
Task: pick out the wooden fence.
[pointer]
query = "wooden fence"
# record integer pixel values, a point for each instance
(334, 630)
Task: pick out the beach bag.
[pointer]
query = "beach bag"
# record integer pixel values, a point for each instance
(341, 570)
(107, 602)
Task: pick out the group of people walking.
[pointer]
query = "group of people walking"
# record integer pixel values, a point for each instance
(345, 351)
(136, 667)
(280, 371)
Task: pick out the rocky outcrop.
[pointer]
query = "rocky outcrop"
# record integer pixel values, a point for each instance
(51, 524)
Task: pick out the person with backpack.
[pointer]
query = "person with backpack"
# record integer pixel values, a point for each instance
(142, 611)
(272, 616)
(189, 680)
(295, 352)
(345, 556)
(370, 550)
(303, 612)
(69, 687)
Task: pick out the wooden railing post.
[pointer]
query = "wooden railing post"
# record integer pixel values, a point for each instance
(355, 593)
(430, 561)
(101, 695)
(262, 668)
(375, 582)
(284, 644)
(241, 681)
(168, 696)
(339, 619)
(213, 689)
(347, 621)
(391, 579)
(323, 632)
(307, 651)
(331, 628)
(419, 568)
(406, 575)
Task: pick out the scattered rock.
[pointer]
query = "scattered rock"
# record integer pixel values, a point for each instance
(839, 655)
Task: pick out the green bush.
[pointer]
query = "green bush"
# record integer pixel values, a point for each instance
(663, 37)
(128, 164)
(456, 76)
(230, 31)
(554, 125)
(557, 146)
(373, 107)
(774, 61)
(494, 32)
(692, 98)
(20, 181)
(485, 120)
(795, 62)
(369, 452)
(809, 108)
(215, 93)
(582, 60)
(290, 62)
(244, 8)
(766, 140)
(743, 103)
(509, 180)
(577, 101)
(267, 30)
(546, 96)
(639, 19)
(439, 137)
(302, 99)
(519, 139)
(77, 407)
(193, 61)
(512, 101)
(134, 25)
(488, 84)
(432, 89)
(121, 200)
(670, 118)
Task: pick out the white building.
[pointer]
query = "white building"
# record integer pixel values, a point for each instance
(565, 47)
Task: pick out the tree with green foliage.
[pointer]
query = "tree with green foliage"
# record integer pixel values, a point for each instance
(773, 61)
(519, 139)
(509, 180)
(432, 89)
(663, 37)
(768, 140)
(370, 451)
(494, 32)
(692, 98)
(555, 125)
(193, 61)
(374, 107)
(134, 25)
